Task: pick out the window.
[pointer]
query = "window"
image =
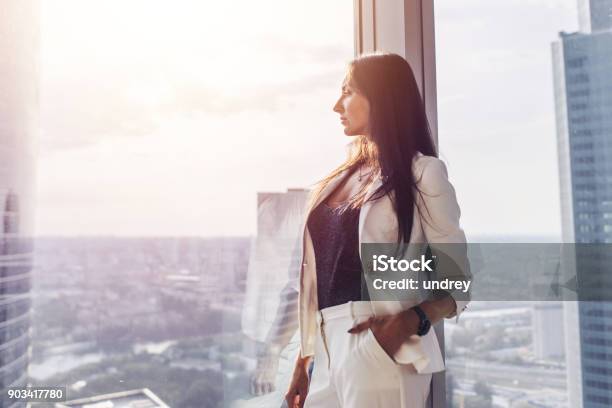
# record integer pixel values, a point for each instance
(163, 123)
(496, 119)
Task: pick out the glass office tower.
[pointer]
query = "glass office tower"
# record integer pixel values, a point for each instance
(582, 64)
(19, 38)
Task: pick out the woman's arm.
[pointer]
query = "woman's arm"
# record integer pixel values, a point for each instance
(279, 335)
(439, 211)
(283, 328)
(393, 330)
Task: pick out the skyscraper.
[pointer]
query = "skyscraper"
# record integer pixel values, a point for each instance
(582, 64)
(18, 123)
(594, 15)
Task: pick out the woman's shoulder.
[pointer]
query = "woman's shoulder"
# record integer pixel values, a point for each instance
(429, 171)
(430, 164)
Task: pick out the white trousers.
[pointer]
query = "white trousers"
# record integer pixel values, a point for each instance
(354, 371)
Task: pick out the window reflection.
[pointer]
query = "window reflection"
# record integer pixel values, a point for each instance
(160, 142)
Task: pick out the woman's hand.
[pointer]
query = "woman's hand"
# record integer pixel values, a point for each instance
(298, 389)
(262, 380)
(392, 330)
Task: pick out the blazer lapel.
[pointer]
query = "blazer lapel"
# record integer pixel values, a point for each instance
(366, 207)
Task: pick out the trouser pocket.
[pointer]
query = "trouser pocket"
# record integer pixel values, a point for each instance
(366, 367)
(378, 351)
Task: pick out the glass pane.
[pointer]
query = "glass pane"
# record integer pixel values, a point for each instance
(178, 140)
(524, 102)
(19, 47)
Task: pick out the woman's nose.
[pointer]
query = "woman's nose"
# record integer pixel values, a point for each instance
(338, 107)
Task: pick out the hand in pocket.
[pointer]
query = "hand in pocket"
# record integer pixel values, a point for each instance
(390, 331)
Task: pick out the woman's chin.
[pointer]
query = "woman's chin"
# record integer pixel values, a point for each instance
(350, 132)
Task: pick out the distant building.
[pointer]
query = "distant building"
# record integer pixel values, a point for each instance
(548, 337)
(15, 275)
(18, 125)
(143, 398)
(582, 64)
(273, 261)
(280, 213)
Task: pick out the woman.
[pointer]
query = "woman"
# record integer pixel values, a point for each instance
(392, 188)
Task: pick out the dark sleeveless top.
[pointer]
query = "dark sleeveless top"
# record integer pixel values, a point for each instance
(335, 237)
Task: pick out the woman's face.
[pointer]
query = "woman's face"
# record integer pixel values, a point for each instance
(354, 110)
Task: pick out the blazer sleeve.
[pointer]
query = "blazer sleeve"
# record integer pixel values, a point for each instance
(439, 212)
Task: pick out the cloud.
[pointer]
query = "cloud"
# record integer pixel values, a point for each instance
(76, 114)
(99, 84)
(191, 98)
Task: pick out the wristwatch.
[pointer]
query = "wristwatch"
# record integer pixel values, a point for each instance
(424, 323)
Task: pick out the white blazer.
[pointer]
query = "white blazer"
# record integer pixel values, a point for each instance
(438, 223)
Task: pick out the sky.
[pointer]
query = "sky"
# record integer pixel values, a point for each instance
(166, 118)
(496, 111)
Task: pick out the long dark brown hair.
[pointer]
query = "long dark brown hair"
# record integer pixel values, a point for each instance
(398, 130)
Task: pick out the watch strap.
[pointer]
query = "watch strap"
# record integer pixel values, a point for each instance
(424, 322)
